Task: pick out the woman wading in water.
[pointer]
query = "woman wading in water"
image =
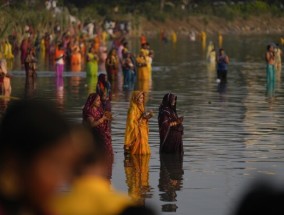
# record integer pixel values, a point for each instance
(170, 126)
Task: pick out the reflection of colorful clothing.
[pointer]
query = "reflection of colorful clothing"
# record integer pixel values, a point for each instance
(136, 133)
(91, 195)
(171, 173)
(30, 65)
(137, 176)
(170, 136)
(92, 65)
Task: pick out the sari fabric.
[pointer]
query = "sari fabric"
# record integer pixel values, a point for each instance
(137, 130)
(143, 68)
(102, 132)
(170, 136)
(92, 65)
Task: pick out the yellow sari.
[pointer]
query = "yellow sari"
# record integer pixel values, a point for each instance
(137, 130)
(143, 67)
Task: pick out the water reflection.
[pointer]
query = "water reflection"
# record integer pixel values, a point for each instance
(137, 177)
(230, 135)
(171, 180)
(92, 83)
(30, 86)
(60, 91)
(75, 82)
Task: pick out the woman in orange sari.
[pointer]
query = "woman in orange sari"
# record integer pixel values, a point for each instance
(137, 130)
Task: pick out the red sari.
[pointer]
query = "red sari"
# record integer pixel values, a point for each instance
(101, 132)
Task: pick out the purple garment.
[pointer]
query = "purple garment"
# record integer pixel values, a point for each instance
(170, 136)
(59, 69)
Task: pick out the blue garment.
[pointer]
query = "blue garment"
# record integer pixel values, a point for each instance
(270, 79)
(129, 79)
(222, 65)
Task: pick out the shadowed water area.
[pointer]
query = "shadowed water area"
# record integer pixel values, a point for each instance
(233, 133)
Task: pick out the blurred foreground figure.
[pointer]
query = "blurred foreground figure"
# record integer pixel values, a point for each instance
(90, 192)
(262, 199)
(35, 157)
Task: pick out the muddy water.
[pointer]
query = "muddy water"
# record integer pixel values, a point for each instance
(233, 133)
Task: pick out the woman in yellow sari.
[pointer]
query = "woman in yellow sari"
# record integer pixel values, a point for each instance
(137, 130)
(143, 67)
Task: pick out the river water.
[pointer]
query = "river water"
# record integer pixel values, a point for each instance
(233, 133)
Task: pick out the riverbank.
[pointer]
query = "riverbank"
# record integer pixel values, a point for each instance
(212, 25)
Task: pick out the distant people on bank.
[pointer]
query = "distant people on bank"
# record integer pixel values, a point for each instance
(170, 126)
(143, 39)
(137, 128)
(192, 36)
(174, 37)
(222, 66)
(163, 36)
(220, 39)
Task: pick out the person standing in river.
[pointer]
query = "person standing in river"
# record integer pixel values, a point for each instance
(59, 60)
(270, 63)
(222, 66)
(137, 128)
(170, 126)
(270, 68)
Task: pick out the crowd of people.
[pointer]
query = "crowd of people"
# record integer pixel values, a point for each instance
(39, 161)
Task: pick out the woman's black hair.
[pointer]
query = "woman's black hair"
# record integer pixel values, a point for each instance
(29, 127)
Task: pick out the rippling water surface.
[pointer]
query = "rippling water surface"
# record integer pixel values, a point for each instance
(233, 134)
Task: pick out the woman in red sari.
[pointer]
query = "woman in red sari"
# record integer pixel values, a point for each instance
(99, 121)
(170, 126)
